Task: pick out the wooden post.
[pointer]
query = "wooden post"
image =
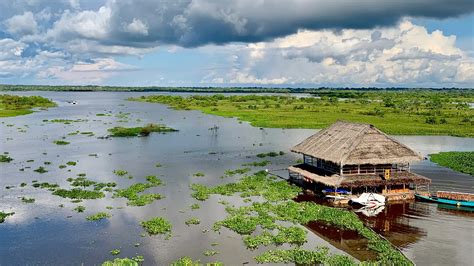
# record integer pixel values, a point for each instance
(341, 169)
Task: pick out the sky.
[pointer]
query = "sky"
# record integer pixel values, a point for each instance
(268, 43)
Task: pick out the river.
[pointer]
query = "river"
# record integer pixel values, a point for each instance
(44, 234)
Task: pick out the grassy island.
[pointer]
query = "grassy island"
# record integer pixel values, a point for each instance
(139, 131)
(414, 112)
(458, 161)
(13, 105)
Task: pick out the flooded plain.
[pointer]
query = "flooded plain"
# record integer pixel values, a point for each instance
(42, 233)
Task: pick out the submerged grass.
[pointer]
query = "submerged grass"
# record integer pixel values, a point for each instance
(458, 161)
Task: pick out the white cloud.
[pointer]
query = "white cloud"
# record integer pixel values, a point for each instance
(24, 24)
(137, 27)
(85, 72)
(404, 55)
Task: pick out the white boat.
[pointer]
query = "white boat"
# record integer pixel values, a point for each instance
(369, 199)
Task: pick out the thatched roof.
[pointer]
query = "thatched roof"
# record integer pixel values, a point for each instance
(313, 174)
(354, 143)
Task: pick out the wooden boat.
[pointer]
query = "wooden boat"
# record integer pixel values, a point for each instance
(451, 198)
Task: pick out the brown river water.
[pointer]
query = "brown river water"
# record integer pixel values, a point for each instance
(44, 234)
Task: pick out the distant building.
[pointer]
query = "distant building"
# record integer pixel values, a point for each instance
(359, 158)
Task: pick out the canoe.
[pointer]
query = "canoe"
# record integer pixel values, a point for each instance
(461, 203)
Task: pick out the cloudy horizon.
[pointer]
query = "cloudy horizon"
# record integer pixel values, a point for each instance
(287, 43)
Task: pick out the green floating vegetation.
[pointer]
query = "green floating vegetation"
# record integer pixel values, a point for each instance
(61, 142)
(5, 158)
(210, 252)
(240, 171)
(139, 131)
(98, 216)
(41, 170)
(254, 185)
(134, 261)
(66, 121)
(80, 208)
(187, 261)
(458, 161)
(27, 200)
(13, 105)
(298, 256)
(135, 199)
(71, 163)
(195, 206)
(4, 215)
(270, 154)
(199, 174)
(408, 112)
(157, 225)
(45, 185)
(120, 172)
(279, 207)
(77, 193)
(192, 221)
(115, 252)
(257, 164)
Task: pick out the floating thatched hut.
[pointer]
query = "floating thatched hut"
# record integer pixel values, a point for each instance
(357, 157)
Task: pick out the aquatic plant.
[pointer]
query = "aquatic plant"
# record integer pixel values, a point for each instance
(115, 252)
(80, 208)
(304, 257)
(77, 193)
(199, 174)
(134, 261)
(45, 185)
(71, 163)
(41, 170)
(280, 207)
(131, 193)
(61, 166)
(157, 225)
(5, 158)
(61, 142)
(210, 252)
(120, 172)
(27, 200)
(187, 261)
(270, 154)
(139, 131)
(98, 216)
(240, 171)
(4, 215)
(257, 164)
(195, 206)
(458, 161)
(192, 221)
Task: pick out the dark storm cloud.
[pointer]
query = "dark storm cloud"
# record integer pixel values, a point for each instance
(198, 22)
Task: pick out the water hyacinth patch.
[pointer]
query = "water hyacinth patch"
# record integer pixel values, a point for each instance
(4, 215)
(5, 158)
(61, 142)
(98, 216)
(139, 131)
(157, 225)
(192, 221)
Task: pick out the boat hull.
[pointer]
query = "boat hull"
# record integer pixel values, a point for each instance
(446, 201)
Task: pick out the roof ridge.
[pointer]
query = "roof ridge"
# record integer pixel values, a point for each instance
(357, 141)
